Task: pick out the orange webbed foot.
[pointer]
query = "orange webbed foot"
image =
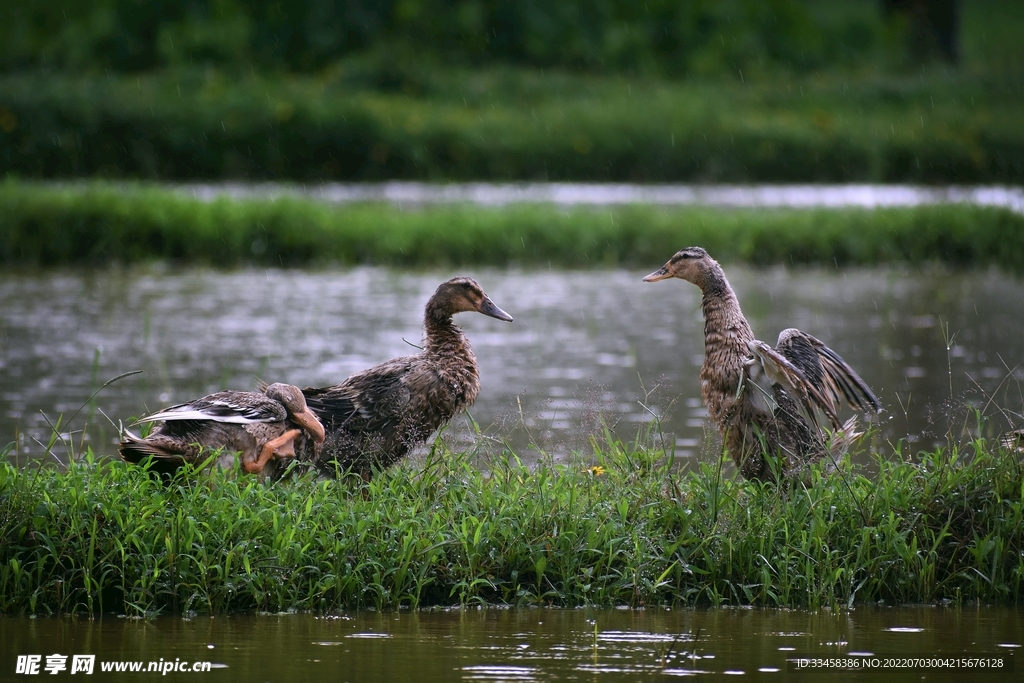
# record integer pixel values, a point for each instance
(281, 447)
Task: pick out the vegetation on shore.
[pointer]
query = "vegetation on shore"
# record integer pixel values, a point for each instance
(306, 35)
(782, 91)
(102, 536)
(936, 126)
(100, 223)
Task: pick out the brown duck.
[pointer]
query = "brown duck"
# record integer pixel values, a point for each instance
(803, 373)
(260, 426)
(375, 417)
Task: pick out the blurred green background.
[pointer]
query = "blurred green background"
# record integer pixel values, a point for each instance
(657, 36)
(729, 90)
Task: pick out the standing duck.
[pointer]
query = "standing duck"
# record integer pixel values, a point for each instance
(260, 426)
(375, 417)
(804, 375)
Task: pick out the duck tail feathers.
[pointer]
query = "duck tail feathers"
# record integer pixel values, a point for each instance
(840, 441)
(135, 449)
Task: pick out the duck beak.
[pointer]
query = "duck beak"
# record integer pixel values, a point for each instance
(660, 274)
(487, 307)
(310, 424)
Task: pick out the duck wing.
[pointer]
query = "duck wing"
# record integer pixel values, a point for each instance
(371, 401)
(827, 371)
(235, 407)
(786, 374)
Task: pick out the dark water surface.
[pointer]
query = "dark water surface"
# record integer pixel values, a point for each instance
(584, 346)
(536, 644)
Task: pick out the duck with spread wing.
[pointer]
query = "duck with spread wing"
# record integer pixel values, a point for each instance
(804, 376)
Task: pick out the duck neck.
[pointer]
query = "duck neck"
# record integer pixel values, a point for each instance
(724, 324)
(442, 336)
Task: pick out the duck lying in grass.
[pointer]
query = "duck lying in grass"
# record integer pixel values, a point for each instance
(804, 375)
(260, 426)
(375, 417)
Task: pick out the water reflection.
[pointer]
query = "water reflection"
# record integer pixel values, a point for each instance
(529, 644)
(585, 346)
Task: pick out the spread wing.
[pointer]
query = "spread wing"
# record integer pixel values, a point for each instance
(782, 372)
(236, 407)
(827, 371)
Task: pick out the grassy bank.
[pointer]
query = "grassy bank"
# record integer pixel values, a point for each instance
(102, 223)
(104, 537)
(420, 122)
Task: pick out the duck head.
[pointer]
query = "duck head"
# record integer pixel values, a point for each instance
(290, 396)
(691, 264)
(462, 294)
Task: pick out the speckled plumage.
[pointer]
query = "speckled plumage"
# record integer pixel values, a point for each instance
(375, 417)
(804, 375)
(257, 425)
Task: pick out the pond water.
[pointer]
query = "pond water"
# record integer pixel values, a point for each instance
(604, 194)
(585, 345)
(540, 644)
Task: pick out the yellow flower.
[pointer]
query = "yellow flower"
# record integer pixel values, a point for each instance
(596, 470)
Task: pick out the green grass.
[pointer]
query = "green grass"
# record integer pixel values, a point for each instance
(839, 100)
(102, 536)
(676, 38)
(933, 125)
(100, 223)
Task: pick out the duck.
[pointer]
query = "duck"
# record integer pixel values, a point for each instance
(763, 399)
(1013, 440)
(375, 417)
(259, 425)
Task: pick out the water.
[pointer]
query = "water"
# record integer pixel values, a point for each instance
(535, 644)
(585, 346)
(604, 194)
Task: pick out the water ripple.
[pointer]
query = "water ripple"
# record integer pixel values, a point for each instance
(500, 673)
